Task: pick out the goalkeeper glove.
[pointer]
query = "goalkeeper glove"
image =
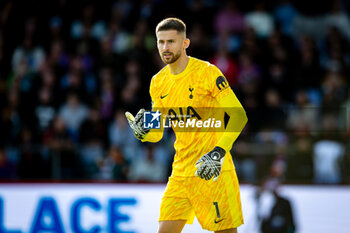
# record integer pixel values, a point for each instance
(210, 164)
(136, 124)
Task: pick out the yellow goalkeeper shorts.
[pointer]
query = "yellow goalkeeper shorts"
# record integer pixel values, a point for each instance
(217, 205)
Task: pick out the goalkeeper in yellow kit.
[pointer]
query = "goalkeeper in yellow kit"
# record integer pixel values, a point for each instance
(189, 85)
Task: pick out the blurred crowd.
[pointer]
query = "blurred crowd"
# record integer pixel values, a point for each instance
(70, 69)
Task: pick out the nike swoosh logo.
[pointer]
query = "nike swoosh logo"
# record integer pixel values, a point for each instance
(218, 221)
(162, 97)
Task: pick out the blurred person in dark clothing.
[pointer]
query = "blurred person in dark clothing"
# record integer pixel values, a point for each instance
(308, 70)
(200, 42)
(7, 168)
(334, 87)
(138, 63)
(74, 79)
(120, 38)
(12, 121)
(55, 28)
(120, 135)
(252, 109)
(274, 116)
(107, 58)
(48, 80)
(3, 93)
(121, 11)
(65, 162)
(114, 166)
(130, 94)
(302, 112)
(248, 73)
(57, 59)
(278, 48)
(121, 165)
(279, 79)
(89, 26)
(92, 137)
(31, 163)
(284, 13)
(142, 39)
(251, 45)
(87, 50)
(90, 156)
(33, 56)
(274, 211)
(281, 218)
(303, 123)
(334, 50)
(93, 128)
(4, 62)
(44, 110)
(108, 94)
(202, 12)
(27, 60)
(56, 137)
(8, 27)
(73, 113)
(300, 164)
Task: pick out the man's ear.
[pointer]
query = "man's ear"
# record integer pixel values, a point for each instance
(187, 43)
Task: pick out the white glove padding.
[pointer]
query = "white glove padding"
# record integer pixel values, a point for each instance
(210, 164)
(136, 124)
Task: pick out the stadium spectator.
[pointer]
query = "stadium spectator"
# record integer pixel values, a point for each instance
(92, 135)
(260, 20)
(32, 164)
(328, 154)
(285, 12)
(226, 64)
(28, 55)
(302, 113)
(44, 111)
(120, 135)
(114, 166)
(338, 18)
(147, 168)
(88, 25)
(73, 113)
(229, 19)
(7, 168)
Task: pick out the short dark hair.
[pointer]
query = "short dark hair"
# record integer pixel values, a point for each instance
(171, 24)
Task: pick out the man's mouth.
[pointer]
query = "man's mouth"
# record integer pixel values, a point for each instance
(167, 55)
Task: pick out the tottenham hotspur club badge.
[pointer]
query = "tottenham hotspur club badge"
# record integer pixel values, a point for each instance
(190, 89)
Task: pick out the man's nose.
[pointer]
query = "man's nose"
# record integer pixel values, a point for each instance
(165, 46)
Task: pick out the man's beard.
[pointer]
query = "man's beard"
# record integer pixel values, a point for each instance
(172, 59)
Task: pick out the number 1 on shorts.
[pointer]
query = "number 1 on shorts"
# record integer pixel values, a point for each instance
(217, 209)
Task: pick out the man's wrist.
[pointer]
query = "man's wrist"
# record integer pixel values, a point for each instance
(217, 153)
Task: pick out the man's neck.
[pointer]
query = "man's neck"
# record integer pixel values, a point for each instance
(180, 65)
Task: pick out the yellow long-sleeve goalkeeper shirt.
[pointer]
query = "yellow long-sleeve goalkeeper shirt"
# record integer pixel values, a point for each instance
(202, 92)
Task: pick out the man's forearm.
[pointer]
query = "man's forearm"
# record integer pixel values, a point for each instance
(233, 129)
(236, 123)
